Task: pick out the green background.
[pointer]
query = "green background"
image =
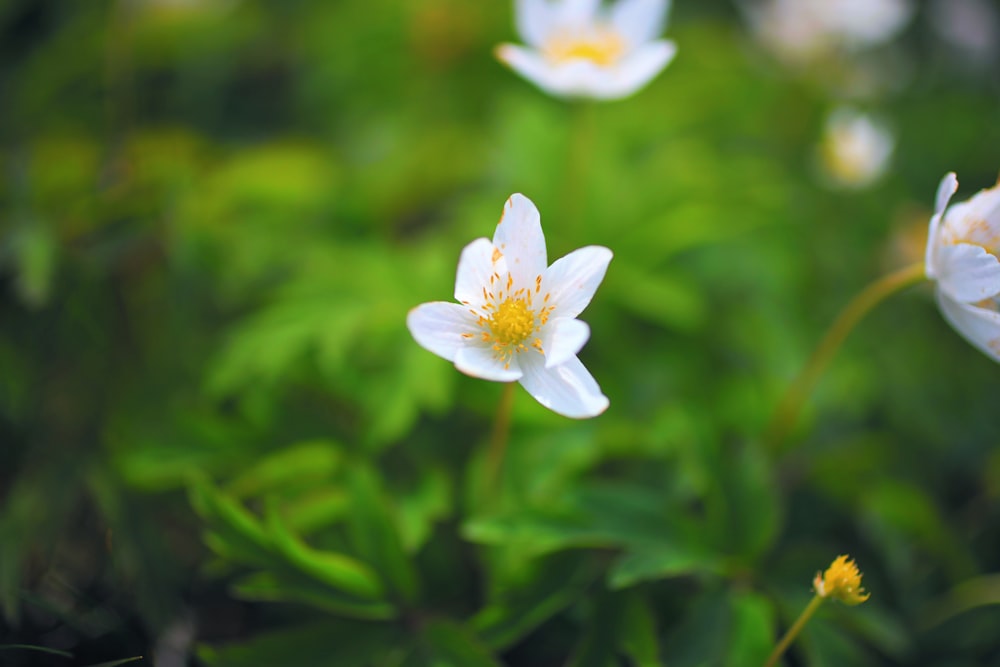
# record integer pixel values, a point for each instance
(220, 446)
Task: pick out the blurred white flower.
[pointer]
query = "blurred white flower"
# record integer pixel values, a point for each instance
(576, 49)
(971, 26)
(803, 29)
(516, 316)
(963, 247)
(855, 148)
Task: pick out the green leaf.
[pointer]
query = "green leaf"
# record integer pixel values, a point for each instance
(291, 466)
(753, 630)
(296, 588)
(317, 509)
(234, 528)
(699, 639)
(599, 646)
(554, 584)
(451, 644)
(638, 635)
(431, 501)
(334, 569)
(663, 560)
(753, 509)
(591, 516)
(374, 532)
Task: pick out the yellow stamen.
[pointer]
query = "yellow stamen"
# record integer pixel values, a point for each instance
(512, 323)
(509, 320)
(601, 46)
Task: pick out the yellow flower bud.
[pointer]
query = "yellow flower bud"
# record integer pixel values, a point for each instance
(841, 581)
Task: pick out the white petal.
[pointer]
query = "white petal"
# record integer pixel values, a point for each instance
(562, 339)
(572, 280)
(438, 327)
(478, 262)
(481, 361)
(561, 80)
(639, 21)
(568, 389)
(975, 221)
(967, 272)
(575, 13)
(519, 237)
(534, 21)
(947, 187)
(979, 326)
(634, 72)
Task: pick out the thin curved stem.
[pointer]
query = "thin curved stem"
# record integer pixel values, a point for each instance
(788, 409)
(793, 631)
(499, 437)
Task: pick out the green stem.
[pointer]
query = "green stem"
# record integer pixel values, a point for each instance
(788, 409)
(793, 631)
(498, 440)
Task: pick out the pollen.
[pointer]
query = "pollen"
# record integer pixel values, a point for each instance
(512, 322)
(602, 46)
(842, 581)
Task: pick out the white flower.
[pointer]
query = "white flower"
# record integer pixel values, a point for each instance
(516, 316)
(963, 246)
(856, 148)
(578, 50)
(801, 29)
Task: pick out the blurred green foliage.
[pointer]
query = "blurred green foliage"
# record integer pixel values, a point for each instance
(219, 445)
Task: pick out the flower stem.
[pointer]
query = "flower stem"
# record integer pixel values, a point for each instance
(498, 440)
(793, 631)
(788, 409)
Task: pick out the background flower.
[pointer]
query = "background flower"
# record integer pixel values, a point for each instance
(855, 148)
(576, 49)
(803, 29)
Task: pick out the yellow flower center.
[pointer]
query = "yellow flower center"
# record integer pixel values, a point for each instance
(512, 322)
(508, 318)
(601, 46)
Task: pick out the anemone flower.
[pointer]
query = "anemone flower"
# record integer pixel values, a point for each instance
(577, 49)
(963, 247)
(515, 319)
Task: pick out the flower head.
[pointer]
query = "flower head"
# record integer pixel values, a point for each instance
(516, 316)
(574, 49)
(856, 149)
(841, 581)
(963, 247)
(800, 30)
